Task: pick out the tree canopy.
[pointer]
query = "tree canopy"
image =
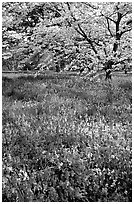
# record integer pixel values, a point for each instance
(62, 34)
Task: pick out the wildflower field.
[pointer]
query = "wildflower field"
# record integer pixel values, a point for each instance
(66, 138)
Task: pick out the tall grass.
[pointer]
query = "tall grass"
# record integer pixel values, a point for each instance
(66, 139)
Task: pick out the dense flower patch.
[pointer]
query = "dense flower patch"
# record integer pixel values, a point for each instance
(59, 146)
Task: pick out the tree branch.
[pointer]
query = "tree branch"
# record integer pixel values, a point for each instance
(125, 31)
(88, 39)
(111, 19)
(109, 27)
(71, 12)
(125, 13)
(108, 18)
(81, 32)
(89, 5)
(55, 24)
(54, 10)
(120, 61)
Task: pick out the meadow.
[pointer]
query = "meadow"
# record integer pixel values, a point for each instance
(66, 139)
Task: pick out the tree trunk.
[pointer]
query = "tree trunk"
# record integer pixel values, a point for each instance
(108, 69)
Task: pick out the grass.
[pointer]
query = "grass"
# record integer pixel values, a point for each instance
(67, 139)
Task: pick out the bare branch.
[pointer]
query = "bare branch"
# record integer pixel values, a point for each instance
(109, 27)
(68, 6)
(111, 19)
(79, 32)
(125, 13)
(90, 5)
(125, 31)
(82, 31)
(105, 51)
(55, 24)
(107, 17)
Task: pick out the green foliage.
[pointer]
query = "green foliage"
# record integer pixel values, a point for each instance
(66, 140)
